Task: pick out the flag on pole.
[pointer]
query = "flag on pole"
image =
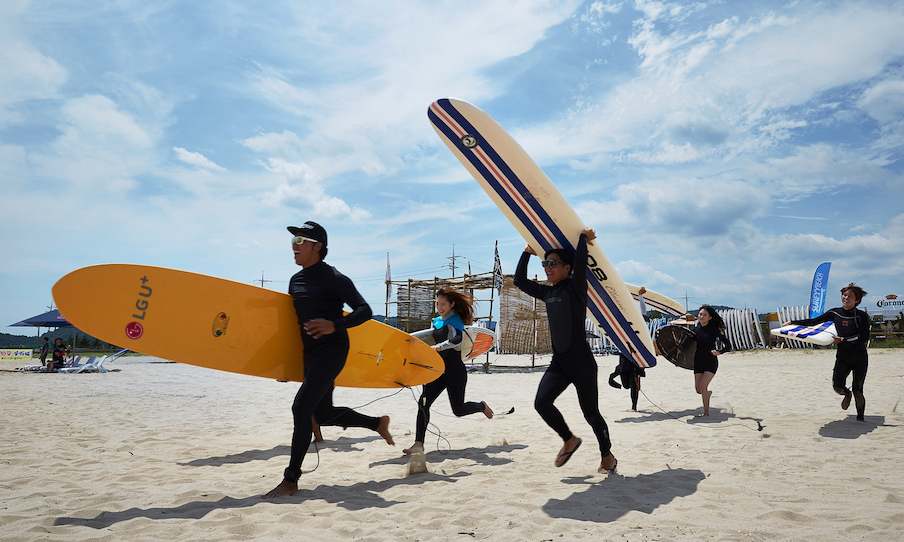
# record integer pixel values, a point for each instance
(388, 278)
(497, 271)
(818, 291)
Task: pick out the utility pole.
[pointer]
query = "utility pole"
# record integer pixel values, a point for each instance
(451, 264)
(262, 281)
(685, 298)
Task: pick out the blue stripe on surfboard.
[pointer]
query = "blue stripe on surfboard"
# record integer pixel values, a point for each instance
(659, 306)
(808, 331)
(634, 344)
(472, 157)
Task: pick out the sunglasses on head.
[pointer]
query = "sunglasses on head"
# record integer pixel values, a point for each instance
(299, 240)
(551, 263)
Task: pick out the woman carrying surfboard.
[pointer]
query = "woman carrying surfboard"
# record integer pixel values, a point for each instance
(454, 311)
(852, 326)
(710, 330)
(572, 360)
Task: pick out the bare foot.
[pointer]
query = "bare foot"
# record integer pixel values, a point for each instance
(416, 448)
(608, 464)
(318, 437)
(846, 402)
(383, 429)
(567, 450)
(487, 411)
(284, 489)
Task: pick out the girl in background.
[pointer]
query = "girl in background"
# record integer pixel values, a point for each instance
(455, 311)
(711, 342)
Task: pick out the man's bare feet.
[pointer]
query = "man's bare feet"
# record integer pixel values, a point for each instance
(416, 448)
(567, 450)
(284, 489)
(383, 430)
(608, 464)
(318, 437)
(487, 411)
(846, 402)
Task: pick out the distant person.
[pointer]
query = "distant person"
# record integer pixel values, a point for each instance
(455, 310)
(629, 371)
(44, 351)
(572, 360)
(852, 326)
(58, 360)
(711, 343)
(319, 293)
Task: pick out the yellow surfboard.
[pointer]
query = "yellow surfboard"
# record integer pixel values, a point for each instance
(226, 325)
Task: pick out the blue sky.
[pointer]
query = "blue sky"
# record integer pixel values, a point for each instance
(722, 150)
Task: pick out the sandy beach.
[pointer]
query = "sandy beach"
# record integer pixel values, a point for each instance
(163, 451)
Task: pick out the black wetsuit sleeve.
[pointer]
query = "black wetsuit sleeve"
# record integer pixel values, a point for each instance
(579, 270)
(360, 312)
(520, 280)
(862, 335)
(726, 344)
(824, 317)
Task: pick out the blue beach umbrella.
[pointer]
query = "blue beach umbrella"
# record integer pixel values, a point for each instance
(48, 319)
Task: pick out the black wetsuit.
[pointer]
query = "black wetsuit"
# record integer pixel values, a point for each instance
(629, 373)
(572, 360)
(454, 379)
(326, 414)
(706, 336)
(319, 291)
(852, 327)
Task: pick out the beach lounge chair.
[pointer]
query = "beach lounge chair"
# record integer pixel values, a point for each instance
(93, 365)
(40, 368)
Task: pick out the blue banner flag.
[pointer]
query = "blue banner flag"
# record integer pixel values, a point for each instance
(818, 293)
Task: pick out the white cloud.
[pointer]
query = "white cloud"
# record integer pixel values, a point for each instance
(197, 159)
(694, 207)
(884, 101)
(26, 75)
(300, 188)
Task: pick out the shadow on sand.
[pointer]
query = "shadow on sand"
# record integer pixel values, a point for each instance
(850, 428)
(480, 456)
(610, 499)
(352, 497)
(692, 416)
(342, 444)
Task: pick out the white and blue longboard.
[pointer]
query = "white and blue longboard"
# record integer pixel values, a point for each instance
(541, 215)
(823, 334)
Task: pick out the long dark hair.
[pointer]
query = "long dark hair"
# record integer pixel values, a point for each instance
(462, 303)
(716, 319)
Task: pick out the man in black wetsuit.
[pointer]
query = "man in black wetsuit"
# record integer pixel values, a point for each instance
(319, 292)
(572, 360)
(852, 326)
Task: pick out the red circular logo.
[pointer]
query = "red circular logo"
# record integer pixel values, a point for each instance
(134, 330)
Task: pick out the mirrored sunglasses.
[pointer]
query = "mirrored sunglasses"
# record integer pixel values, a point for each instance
(550, 263)
(299, 240)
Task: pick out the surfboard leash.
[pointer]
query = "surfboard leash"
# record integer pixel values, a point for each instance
(759, 425)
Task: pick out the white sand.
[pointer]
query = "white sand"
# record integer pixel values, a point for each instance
(163, 451)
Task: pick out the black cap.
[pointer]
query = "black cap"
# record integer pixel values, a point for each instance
(311, 230)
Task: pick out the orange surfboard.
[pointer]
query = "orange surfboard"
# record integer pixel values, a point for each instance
(229, 326)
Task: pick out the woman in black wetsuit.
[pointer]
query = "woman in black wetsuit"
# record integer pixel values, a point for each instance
(709, 331)
(572, 361)
(852, 326)
(454, 310)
